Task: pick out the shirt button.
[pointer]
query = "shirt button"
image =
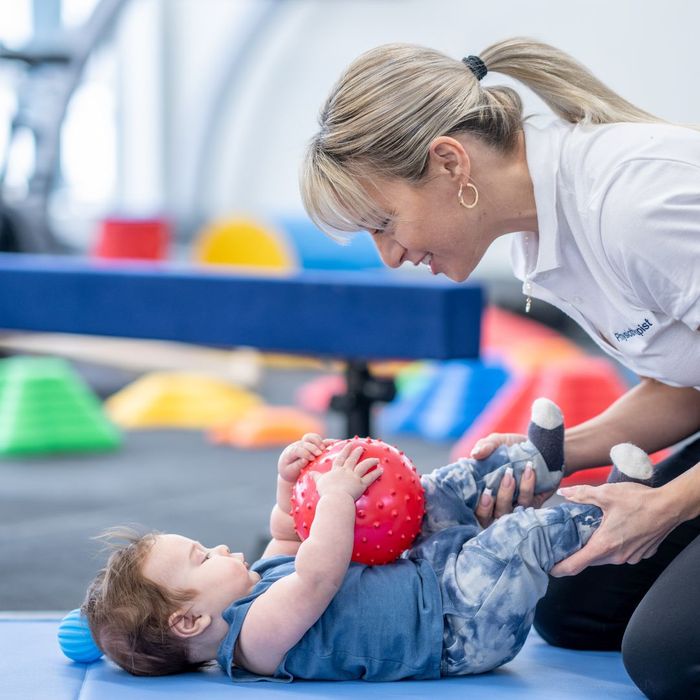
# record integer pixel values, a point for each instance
(578, 300)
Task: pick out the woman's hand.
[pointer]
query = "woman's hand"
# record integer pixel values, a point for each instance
(636, 519)
(487, 445)
(489, 509)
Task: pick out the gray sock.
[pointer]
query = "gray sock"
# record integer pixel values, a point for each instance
(544, 450)
(630, 463)
(546, 433)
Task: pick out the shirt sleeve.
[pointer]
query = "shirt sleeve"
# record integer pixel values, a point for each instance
(650, 229)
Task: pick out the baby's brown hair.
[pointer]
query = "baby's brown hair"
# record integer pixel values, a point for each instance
(129, 614)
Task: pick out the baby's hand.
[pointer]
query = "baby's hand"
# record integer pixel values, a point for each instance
(297, 455)
(346, 476)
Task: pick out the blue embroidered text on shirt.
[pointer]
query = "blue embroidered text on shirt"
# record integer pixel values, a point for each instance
(641, 329)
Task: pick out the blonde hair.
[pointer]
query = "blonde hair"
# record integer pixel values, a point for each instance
(389, 105)
(129, 614)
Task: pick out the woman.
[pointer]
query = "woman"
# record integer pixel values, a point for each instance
(605, 201)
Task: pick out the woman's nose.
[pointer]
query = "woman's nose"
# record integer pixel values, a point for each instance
(391, 252)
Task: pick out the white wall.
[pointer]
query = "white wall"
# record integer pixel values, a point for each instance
(647, 51)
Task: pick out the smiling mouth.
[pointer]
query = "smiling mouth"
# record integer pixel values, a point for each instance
(428, 261)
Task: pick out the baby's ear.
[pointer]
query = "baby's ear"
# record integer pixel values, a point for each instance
(185, 624)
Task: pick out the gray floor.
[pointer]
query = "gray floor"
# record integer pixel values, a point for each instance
(174, 481)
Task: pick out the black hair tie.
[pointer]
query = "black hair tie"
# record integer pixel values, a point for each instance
(476, 66)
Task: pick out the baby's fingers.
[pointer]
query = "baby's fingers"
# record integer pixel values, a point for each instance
(369, 478)
(342, 456)
(313, 442)
(350, 461)
(305, 452)
(309, 450)
(298, 464)
(365, 465)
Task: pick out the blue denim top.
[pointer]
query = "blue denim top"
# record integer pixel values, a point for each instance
(384, 624)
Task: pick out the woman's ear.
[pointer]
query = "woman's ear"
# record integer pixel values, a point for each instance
(185, 624)
(447, 156)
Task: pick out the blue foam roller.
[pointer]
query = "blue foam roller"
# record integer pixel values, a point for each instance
(447, 401)
(317, 251)
(461, 391)
(401, 415)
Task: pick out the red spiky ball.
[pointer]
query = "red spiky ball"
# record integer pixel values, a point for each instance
(389, 513)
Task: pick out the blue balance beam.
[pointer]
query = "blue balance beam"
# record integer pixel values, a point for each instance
(351, 315)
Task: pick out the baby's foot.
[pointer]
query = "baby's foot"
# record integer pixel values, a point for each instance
(546, 433)
(543, 450)
(630, 463)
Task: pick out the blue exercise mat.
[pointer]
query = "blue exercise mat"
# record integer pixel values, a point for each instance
(32, 668)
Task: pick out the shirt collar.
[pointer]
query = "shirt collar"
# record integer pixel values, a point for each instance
(543, 152)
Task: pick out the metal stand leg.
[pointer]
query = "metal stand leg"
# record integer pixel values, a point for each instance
(364, 390)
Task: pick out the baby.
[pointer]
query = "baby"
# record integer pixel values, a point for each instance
(461, 600)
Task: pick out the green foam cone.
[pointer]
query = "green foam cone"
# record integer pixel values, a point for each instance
(46, 408)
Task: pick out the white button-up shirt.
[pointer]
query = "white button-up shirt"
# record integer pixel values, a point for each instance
(618, 241)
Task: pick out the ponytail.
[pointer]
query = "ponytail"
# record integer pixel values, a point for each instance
(565, 85)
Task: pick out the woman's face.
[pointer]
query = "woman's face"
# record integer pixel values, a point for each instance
(429, 226)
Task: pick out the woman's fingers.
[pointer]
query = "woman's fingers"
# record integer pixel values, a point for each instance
(594, 495)
(596, 552)
(504, 497)
(484, 508)
(526, 497)
(484, 447)
(636, 519)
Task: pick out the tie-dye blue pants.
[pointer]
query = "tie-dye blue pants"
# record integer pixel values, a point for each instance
(491, 579)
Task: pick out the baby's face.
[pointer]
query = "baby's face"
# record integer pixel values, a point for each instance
(217, 575)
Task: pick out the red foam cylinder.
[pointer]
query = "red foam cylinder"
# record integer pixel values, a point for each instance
(132, 239)
(388, 514)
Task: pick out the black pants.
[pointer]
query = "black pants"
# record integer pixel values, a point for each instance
(651, 610)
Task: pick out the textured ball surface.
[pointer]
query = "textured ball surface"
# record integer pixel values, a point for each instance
(388, 514)
(75, 639)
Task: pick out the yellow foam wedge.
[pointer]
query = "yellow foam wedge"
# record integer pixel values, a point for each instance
(179, 400)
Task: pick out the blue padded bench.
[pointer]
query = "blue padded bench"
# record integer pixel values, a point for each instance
(352, 315)
(355, 316)
(33, 668)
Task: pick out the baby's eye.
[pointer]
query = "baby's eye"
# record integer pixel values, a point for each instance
(207, 555)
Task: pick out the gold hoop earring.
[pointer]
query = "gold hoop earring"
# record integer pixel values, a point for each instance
(461, 201)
